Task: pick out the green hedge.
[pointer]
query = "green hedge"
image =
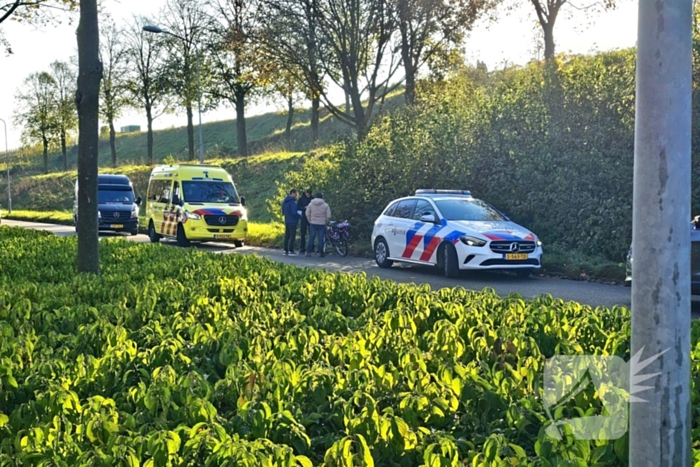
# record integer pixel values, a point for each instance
(178, 357)
(551, 146)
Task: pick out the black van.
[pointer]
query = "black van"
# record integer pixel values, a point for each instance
(118, 208)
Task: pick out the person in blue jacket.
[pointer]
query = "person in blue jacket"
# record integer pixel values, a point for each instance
(291, 220)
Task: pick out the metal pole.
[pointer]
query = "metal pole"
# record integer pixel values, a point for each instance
(7, 163)
(660, 427)
(199, 105)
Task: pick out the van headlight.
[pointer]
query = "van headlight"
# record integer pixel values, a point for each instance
(99, 215)
(472, 241)
(134, 212)
(193, 216)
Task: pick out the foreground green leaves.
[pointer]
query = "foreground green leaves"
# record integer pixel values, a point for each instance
(181, 358)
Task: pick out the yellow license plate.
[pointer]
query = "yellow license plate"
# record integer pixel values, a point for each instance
(516, 256)
(222, 237)
(117, 226)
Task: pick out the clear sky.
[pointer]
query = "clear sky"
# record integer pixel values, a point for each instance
(510, 40)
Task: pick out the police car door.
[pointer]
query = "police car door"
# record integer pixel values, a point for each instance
(400, 238)
(425, 240)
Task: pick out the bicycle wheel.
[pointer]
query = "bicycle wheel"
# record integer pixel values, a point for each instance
(342, 247)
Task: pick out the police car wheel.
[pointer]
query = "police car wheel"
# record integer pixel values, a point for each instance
(181, 237)
(381, 254)
(448, 255)
(155, 238)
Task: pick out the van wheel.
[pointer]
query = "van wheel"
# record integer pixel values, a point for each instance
(155, 238)
(447, 260)
(181, 237)
(134, 232)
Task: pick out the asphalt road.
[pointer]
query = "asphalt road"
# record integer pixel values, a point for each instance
(503, 283)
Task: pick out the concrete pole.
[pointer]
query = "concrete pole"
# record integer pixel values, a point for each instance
(660, 427)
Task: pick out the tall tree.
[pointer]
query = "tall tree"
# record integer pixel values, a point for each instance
(187, 19)
(290, 32)
(358, 38)
(548, 12)
(240, 66)
(432, 27)
(148, 82)
(87, 99)
(37, 111)
(66, 119)
(113, 55)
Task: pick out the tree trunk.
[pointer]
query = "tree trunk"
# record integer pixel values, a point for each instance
(87, 101)
(315, 110)
(548, 40)
(63, 150)
(290, 120)
(190, 133)
(149, 118)
(360, 117)
(409, 68)
(113, 143)
(45, 144)
(240, 124)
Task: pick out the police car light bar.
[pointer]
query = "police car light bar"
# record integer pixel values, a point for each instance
(451, 192)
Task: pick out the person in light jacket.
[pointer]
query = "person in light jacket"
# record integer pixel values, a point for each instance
(291, 220)
(318, 214)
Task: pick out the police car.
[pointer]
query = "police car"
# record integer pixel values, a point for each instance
(452, 230)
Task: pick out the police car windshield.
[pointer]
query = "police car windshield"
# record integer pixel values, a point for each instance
(209, 192)
(115, 196)
(467, 210)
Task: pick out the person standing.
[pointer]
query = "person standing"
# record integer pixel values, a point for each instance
(302, 204)
(291, 220)
(318, 214)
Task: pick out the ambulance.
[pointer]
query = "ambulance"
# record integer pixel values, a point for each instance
(195, 202)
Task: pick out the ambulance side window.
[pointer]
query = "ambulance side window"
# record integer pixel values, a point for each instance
(159, 191)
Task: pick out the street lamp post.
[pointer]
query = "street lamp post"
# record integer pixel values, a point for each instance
(157, 30)
(7, 163)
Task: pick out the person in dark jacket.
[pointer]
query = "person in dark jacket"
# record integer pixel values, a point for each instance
(291, 220)
(303, 202)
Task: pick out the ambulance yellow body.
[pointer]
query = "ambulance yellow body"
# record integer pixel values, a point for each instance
(195, 202)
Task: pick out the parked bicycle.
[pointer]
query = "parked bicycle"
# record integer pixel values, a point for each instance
(337, 236)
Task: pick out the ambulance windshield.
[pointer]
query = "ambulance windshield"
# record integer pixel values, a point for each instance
(209, 192)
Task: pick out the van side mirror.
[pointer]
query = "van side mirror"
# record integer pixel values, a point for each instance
(138, 201)
(242, 200)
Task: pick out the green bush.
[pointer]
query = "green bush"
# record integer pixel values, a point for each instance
(178, 357)
(552, 147)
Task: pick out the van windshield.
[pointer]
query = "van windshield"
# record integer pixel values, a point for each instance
(209, 192)
(115, 196)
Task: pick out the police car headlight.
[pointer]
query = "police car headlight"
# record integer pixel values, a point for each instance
(539, 242)
(193, 216)
(472, 241)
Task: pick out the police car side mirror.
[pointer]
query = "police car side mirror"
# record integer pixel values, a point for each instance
(242, 200)
(428, 218)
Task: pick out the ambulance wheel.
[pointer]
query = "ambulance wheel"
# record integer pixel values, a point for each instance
(181, 237)
(447, 260)
(238, 243)
(155, 238)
